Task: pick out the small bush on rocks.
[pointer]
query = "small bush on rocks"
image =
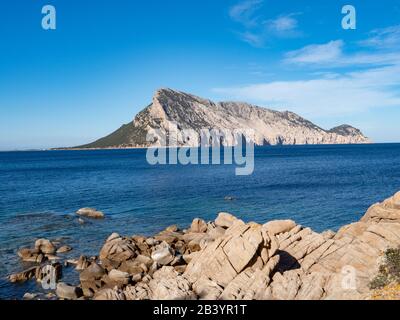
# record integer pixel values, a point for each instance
(389, 271)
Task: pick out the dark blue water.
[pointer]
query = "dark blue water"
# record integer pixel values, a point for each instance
(323, 187)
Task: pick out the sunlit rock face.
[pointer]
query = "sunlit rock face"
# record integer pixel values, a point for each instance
(178, 111)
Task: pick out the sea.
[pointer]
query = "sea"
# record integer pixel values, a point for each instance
(322, 187)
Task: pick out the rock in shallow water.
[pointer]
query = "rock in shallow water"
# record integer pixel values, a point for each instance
(23, 275)
(90, 213)
(64, 249)
(45, 246)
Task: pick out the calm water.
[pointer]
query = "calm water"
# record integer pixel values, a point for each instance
(323, 187)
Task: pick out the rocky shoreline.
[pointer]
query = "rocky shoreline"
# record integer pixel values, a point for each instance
(224, 259)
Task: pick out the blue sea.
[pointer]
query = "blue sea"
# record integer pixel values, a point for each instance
(323, 187)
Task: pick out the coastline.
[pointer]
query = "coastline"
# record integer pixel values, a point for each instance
(229, 259)
(145, 148)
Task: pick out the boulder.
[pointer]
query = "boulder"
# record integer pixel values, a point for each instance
(199, 242)
(207, 289)
(63, 249)
(90, 279)
(119, 277)
(52, 257)
(163, 254)
(109, 294)
(139, 291)
(147, 261)
(118, 249)
(168, 236)
(65, 291)
(225, 220)
(92, 272)
(222, 260)
(132, 267)
(151, 241)
(173, 228)
(90, 213)
(198, 226)
(31, 255)
(23, 275)
(45, 246)
(215, 231)
(82, 263)
(279, 226)
(167, 284)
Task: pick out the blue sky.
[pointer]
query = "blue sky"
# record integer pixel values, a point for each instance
(102, 64)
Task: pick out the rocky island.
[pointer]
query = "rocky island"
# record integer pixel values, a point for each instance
(229, 259)
(186, 111)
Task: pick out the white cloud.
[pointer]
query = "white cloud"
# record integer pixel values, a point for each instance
(284, 25)
(316, 53)
(257, 31)
(332, 55)
(244, 12)
(254, 39)
(345, 94)
(385, 38)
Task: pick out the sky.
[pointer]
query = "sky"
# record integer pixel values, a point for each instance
(105, 59)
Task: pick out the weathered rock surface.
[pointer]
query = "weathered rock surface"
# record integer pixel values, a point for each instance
(230, 259)
(167, 284)
(65, 291)
(163, 254)
(117, 250)
(198, 225)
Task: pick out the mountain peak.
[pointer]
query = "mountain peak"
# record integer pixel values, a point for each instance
(345, 129)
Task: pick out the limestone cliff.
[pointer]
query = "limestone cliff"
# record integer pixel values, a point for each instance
(191, 112)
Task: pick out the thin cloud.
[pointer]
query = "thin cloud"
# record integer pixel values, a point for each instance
(257, 31)
(384, 38)
(284, 25)
(331, 55)
(244, 12)
(254, 39)
(345, 94)
(316, 53)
